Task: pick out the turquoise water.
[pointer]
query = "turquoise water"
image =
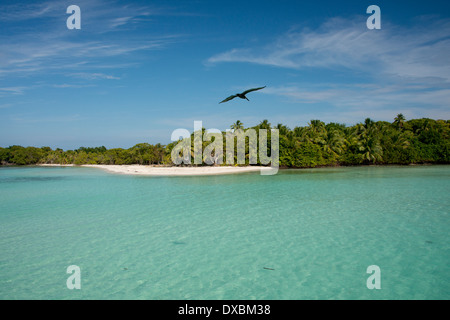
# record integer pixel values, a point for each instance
(212, 237)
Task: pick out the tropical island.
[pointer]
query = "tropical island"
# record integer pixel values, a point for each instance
(416, 141)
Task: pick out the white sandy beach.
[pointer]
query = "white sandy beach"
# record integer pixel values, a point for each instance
(172, 171)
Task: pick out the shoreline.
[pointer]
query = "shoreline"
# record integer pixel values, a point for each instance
(152, 170)
(167, 171)
(174, 171)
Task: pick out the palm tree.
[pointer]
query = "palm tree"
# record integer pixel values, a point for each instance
(316, 126)
(160, 151)
(298, 135)
(371, 149)
(299, 131)
(368, 123)
(282, 129)
(334, 143)
(315, 132)
(238, 125)
(402, 139)
(366, 139)
(399, 120)
(265, 125)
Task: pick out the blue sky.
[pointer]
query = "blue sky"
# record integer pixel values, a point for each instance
(137, 70)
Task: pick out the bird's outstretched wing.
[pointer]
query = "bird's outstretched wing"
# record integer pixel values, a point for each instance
(250, 90)
(229, 98)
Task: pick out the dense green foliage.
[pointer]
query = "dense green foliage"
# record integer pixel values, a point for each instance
(318, 144)
(142, 153)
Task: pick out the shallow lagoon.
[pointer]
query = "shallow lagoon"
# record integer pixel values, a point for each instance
(218, 237)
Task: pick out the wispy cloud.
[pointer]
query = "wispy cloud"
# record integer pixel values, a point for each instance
(33, 118)
(102, 14)
(18, 12)
(94, 76)
(67, 85)
(27, 56)
(11, 91)
(53, 48)
(415, 52)
(403, 69)
(120, 21)
(369, 95)
(354, 102)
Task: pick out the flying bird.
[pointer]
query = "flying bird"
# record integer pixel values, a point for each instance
(241, 95)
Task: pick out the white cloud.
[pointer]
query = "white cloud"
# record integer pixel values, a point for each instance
(17, 12)
(66, 85)
(94, 76)
(32, 118)
(11, 91)
(50, 47)
(25, 56)
(351, 103)
(405, 70)
(420, 51)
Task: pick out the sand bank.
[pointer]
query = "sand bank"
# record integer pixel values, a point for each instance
(175, 171)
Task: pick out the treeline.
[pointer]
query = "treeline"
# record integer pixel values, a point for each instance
(381, 142)
(143, 153)
(318, 144)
